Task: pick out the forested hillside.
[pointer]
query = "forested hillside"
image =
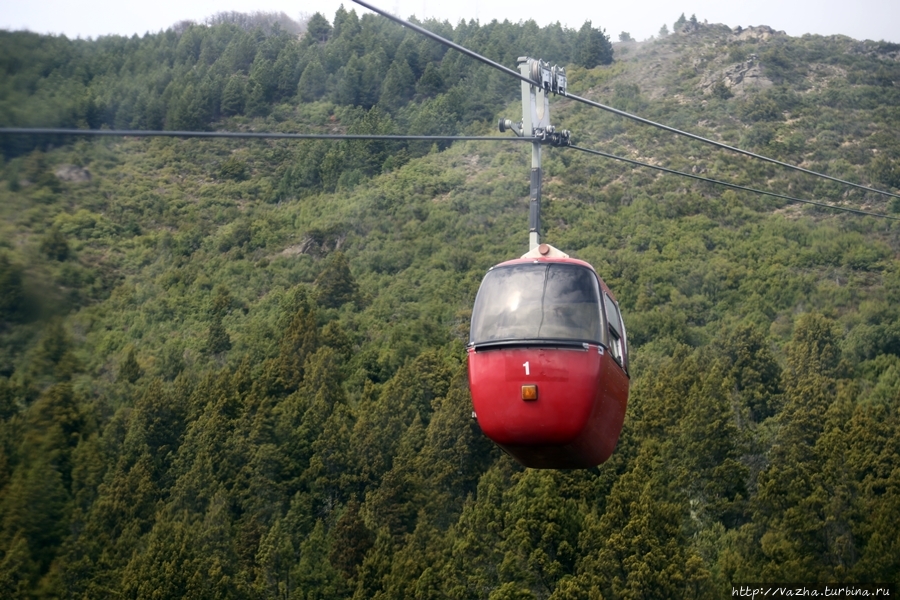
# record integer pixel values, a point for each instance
(236, 369)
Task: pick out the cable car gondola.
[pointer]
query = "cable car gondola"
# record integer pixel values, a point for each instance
(548, 361)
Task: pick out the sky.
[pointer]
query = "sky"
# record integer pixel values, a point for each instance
(860, 19)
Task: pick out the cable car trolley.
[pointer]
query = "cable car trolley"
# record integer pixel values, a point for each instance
(547, 353)
(548, 361)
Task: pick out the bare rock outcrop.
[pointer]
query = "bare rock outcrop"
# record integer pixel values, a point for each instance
(72, 174)
(738, 78)
(761, 32)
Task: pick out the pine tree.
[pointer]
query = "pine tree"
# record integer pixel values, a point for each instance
(313, 573)
(416, 564)
(541, 539)
(756, 374)
(431, 83)
(12, 297)
(374, 568)
(350, 541)
(303, 415)
(130, 370)
(312, 82)
(637, 549)
(54, 355)
(34, 506)
(8, 404)
(395, 503)
(331, 473)
(234, 96)
(318, 29)
(472, 568)
(592, 47)
(349, 82)
(335, 285)
(398, 85)
(18, 571)
(54, 245)
(787, 517)
(276, 557)
(300, 341)
(455, 453)
(262, 85)
(218, 341)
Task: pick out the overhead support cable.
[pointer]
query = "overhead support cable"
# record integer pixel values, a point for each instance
(446, 42)
(255, 135)
(616, 111)
(699, 138)
(733, 185)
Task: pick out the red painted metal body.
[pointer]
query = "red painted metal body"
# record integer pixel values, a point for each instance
(582, 395)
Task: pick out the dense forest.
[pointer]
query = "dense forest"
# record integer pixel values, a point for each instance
(236, 369)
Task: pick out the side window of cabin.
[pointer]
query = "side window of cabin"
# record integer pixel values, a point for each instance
(616, 330)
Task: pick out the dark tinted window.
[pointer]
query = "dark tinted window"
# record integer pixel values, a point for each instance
(540, 301)
(612, 313)
(616, 332)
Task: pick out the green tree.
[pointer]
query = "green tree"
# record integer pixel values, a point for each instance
(431, 83)
(276, 557)
(261, 87)
(217, 340)
(192, 109)
(130, 370)
(8, 404)
(18, 571)
(36, 503)
(472, 569)
(312, 82)
(313, 572)
(754, 371)
(398, 86)
(349, 82)
(234, 96)
(54, 245)
(636, 549)
(787, 521)
(350, 541)
(541, 539)
(12, 295)
(300, 341)
(721, 91)
(318, 29)
(335, 285)
(54, 354)
(885, 170)
(592, 47)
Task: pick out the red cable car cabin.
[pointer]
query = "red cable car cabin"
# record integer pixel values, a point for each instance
(548, 361)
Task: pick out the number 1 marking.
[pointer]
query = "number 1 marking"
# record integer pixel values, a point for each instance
(527, 369)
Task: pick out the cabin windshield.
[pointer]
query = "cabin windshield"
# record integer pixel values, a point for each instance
(537, 301)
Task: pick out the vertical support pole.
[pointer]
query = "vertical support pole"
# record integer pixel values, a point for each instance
(534, 211)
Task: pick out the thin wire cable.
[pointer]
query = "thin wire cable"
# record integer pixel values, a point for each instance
(316, 136)
(445, 41)
(732, 185)
(260, 135)
(616, 111)
(699, 138)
